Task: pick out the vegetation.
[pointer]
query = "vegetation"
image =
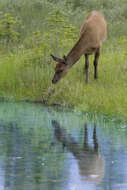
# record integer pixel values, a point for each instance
(31, 30)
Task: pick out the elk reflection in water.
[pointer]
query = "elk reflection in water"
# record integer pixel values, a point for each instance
(90, 161)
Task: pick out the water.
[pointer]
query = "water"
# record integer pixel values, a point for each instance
(48, 149)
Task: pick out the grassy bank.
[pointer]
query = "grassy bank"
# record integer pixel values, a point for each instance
(31, 30)
(23, 78)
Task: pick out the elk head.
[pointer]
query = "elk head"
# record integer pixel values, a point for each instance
(60, 69)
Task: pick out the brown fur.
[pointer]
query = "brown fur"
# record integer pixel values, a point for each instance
(92, 34)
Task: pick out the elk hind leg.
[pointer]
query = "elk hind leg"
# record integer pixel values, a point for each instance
(86, 66)
(97, 54)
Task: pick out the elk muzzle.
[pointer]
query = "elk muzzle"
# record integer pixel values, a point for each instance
(55, 79)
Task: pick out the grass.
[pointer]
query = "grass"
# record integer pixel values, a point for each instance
(21, 78)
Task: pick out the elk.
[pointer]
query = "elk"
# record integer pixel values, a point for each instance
(90, 161)
(92, 34)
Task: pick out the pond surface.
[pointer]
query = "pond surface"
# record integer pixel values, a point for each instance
(49, 149)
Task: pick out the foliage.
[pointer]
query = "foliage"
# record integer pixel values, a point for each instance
(63, 33)
(7, 29)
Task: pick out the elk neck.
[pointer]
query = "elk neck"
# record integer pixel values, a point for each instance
(77, 51)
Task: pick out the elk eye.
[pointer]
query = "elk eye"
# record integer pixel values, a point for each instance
(60, 71)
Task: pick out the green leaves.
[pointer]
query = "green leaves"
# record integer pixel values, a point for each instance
(7, 28)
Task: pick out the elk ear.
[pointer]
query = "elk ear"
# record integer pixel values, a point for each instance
(57, 59)
(65, 58)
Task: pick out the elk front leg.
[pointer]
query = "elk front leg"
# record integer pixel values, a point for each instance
(86, 66)
(97, 54)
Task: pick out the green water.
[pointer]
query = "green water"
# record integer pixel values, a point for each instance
(44, 148)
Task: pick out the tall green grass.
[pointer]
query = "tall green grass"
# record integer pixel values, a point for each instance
(22, 78)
